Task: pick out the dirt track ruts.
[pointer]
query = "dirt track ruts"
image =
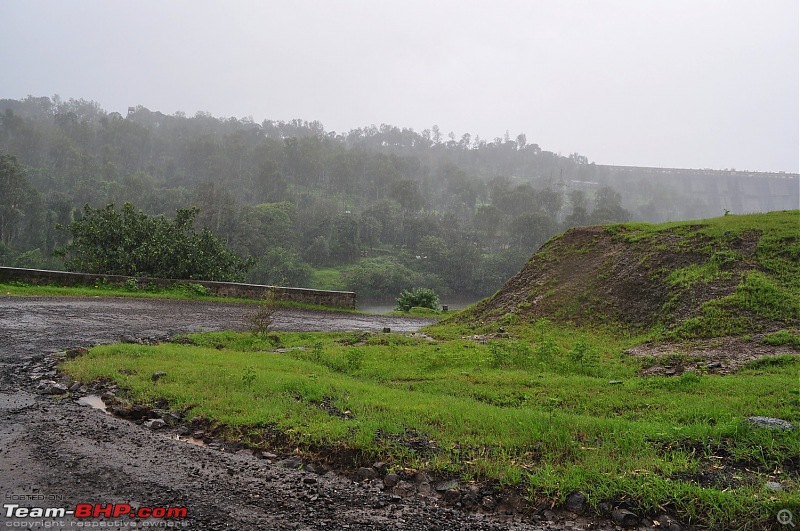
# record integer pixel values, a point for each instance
(72, 454)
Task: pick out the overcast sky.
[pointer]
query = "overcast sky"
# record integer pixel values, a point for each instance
(678, 83)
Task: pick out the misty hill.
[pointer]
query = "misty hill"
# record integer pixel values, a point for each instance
(375, 210)
(730, 275)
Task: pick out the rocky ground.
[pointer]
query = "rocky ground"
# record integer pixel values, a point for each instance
(57, 451)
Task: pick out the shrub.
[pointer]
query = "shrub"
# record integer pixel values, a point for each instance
(262, 318)
(418, 297)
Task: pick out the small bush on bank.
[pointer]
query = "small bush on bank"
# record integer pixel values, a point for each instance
(418, 297)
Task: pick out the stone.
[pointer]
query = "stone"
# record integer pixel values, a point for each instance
(75, 352)
(714, 365)
(139, 412)
(488, 503)
(74, 387)
(391, 480)
(157, 376)
(667, 522)
(404, 488)
(155, 424)
(293, 462)
(451, 496)
(774, 486)
(49, 387)
(576, 502)
(422, 477)
(379, 467)
(366, 473)
(444, 486)
(625, 518)
(770, 423)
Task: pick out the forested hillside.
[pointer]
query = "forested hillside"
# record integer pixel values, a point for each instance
(374, 210)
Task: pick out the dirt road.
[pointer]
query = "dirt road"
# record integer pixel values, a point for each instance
(55, 452)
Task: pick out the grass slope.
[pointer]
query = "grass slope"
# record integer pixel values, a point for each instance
(725, 276)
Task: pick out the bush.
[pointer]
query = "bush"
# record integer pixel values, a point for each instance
(131, 243)
(418, 297)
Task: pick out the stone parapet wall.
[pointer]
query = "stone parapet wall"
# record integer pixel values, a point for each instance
(336, 299)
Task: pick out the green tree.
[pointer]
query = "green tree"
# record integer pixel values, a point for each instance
(17, 200)
(280, 267)
(127, 242)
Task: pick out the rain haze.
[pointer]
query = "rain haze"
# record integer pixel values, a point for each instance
(709, 84)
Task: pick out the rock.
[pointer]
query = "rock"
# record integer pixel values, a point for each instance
(488, 503)
(669, 372)
(127, 339)
(625, 518)
(391, 480)
(139, 412)
(120, 411)
(293, 462)
(774, 486)
(444, 486)
(49, 387)
(75, 352)
(576, 502)
(173, 417)
(666, 522)
(615, 382)
(386, 330)
(770, 423)
(313, 469)
(268, 455)
(451, 496)
(404, 488)
(422, 478)
(309, 480)
(74, 387)
(157, 376)
(714, 365)
(366, 473)
(379, 467)
(155, 424)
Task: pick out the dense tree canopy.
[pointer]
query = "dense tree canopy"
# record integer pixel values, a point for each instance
(127, 242)
(377, 209)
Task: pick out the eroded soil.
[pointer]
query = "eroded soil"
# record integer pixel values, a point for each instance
(56, 452)
(723, 355)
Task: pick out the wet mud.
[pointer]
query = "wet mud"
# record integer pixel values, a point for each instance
(56, 452)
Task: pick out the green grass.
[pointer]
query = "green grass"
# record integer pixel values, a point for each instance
(178, 291)
(538, 411)
(328, 279)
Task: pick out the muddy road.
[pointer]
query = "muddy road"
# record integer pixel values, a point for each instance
(57, 453)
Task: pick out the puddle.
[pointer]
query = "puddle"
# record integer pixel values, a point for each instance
(94, 401)
(190, 440)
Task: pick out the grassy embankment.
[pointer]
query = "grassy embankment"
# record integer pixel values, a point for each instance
(548, 406)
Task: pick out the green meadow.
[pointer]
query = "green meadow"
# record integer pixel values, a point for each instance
(550, 410)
